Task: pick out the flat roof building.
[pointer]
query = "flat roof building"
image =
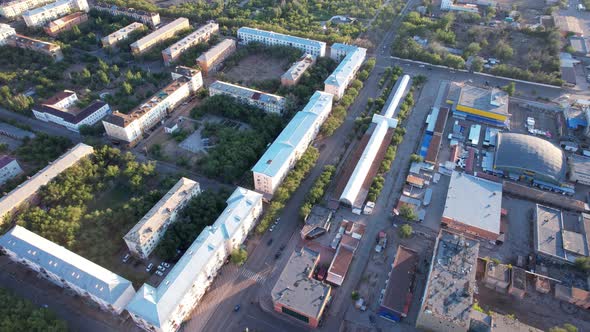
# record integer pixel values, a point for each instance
(65, 23)
(295, 72)
(165, 32)
(579, 169)
(573, 295)
(341, 77)
(266, 101)
(399, 288)
(296, 293)
(67, 269)
(448, 298)
(9, 168)
(341, 262)
(144, 237)
(35, 45)
(289, 146)
(24, 191)
(530, 156)
(497, 276)
(130, 127)
(39, 16)
(473, 206)
(121, 34)
(568, 25)
(247, 35)
(163, 309)
(202, 34)
(149, 18)
(210, 60)
(5, 32)
(14, 9)
(317, 222)
(489, 106)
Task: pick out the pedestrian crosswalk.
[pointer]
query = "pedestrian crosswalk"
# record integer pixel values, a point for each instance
(256, 277)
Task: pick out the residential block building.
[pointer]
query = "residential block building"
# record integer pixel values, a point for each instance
(14, 9)
(247, 35)
(200, 35)
(68, 270)
(289, 146)
(164, 308)
(265, 101)
(130, 127)
(61, 109)
(148, 18)
(41, 46)
(65, 23)
(9, 168)
(295, 72)
(143, 238)
(39, 16)
(210, 60)
(121, 34)
(349, 65)
(166, 32)
(5, 32)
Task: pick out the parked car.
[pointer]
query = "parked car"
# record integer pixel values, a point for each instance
(161, 268)
(166, 265)
(237, 308)
(269, 242)
(149, 267)
(160, 273)
(126, 258)
(369, 207)
(272, 228)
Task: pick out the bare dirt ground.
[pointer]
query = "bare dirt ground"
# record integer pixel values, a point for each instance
(257, 67)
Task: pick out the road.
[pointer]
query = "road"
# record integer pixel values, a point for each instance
(40, 126)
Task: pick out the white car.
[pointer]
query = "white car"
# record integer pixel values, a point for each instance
(160, 273)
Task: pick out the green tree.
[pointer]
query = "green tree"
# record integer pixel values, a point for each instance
(408, 213)
(103, 77)
(239, 256)
(472, 49)
(582, 264)
(477, 64)
(405, 231)
(503, 51)
(510, 88)
(354, 295)
(127, 88)
(567, 327)
(416, 158)
(21, 315)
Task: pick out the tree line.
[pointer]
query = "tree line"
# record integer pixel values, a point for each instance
(17, 314)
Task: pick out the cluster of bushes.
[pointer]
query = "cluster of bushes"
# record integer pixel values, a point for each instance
(200, 212)
(42, 149)
(316, 193)
(277, 51)
(21, 315)
(527, 75)
(288, 187)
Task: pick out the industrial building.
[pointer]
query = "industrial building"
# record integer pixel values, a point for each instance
(521, 156)
(210, 60)
(66, 269)
(15, 40)
(296, 293)
(247, 35)
(473, 206)
(9, 168)
(341, 77)
(121, 34)
(39, 16)
(579, 169)
(65, 23)
(317, 222)
(489, 106)
(353, 194)
(448, 297)
(15, 8)
(341, 261)
(289, 146)
(148, 18)
(27, 189)
(295, 72)
(265, 101)
(497, 276)
(201, 35)
(450, 5)
(163, 33)
(553, 241)
(163, 309)
(568, 25)
(62, 110)
(399, 287)
(130, 127)
(144, 237)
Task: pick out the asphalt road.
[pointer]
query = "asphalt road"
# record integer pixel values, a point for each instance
(40, 126)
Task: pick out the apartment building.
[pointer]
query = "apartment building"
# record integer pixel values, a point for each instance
(14, 9)
(121, 34)
(27, 43)
(210, 60)
(143, 238)
(130, 127)
(68, 270)
(27, 189)
(65, 23)
(62, 110)
(9, 168)
(352, 58)
(283, 153)
(200, 35)
(164, 308)
(268, 102)
(247, 35)
(5, 32)
(39, 16)
(166, 32)
(296, 71)
(147, 18)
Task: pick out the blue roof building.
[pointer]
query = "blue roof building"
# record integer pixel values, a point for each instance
(339, 80)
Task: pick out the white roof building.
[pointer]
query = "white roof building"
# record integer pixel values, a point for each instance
(202, 34)
(269, 38)
(39, 16)
(265, 101)
(5, 32)
(339, 80)
(165, 32)
(121, 34)
(165, 307)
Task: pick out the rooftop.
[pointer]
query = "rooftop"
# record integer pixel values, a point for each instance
(5, 160)
(125, 30)
(474, 201)
(220, 47)
(283, 147)
(161, 212)
(347, 66)
(296, 290)
(340, 263)
(299, 67)
(39, 10)
(580, 165)
(132, 11)
(400, 280)
(243, 92)
(490, 100)
(317, 221)
(66, 19)
(162, 31)
(34, 44)
(283, 37)
(449, 293)
(498, 272)
(192, 38)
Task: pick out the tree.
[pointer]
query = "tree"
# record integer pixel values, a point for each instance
(239, 256)
(510, 88)
(416, 158)
(567, 327)
(503, 51)
(582, 264)
(408, 213)
(21, 315)
(405, 231)
(127, 88)
(477, 64)
(354, 295)
(472, 49)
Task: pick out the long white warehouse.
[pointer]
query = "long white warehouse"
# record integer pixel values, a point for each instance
(350, 195)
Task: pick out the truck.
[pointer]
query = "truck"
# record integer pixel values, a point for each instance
(369, 207)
